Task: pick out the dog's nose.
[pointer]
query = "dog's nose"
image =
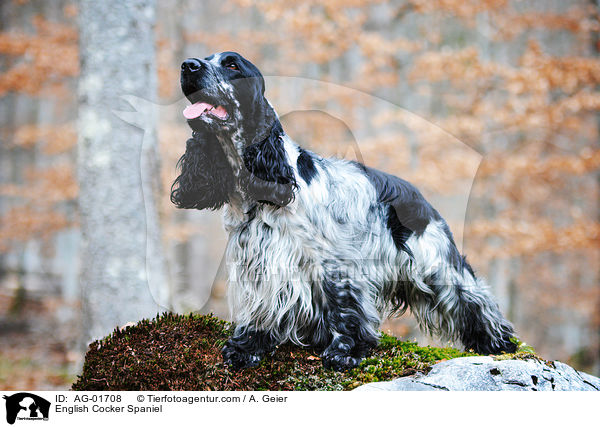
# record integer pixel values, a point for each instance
(191, 64)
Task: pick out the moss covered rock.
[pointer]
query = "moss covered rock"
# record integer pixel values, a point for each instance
(177, 352)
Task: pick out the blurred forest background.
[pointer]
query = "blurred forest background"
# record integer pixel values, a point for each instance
(512, 83)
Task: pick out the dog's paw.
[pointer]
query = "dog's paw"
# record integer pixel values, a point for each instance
(495, 345)
(504, 345)
(340, 362)
(236, 358)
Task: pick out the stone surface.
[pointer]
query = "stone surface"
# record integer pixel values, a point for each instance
(487, 374)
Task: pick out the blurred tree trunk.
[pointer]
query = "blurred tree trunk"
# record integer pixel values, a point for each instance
(119, 221)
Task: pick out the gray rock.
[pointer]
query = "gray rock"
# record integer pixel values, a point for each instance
(487, 374)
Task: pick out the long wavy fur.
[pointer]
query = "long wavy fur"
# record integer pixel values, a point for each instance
(269, 178)
(206, 178)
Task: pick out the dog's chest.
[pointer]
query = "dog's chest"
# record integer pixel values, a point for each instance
(269, 233)
(272, 270)
(294, 244)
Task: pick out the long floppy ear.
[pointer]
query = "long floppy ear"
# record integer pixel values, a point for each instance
(268, 177)
(206, 179)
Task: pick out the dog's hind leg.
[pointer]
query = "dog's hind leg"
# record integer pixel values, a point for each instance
(352, 321)
(447, 298)
(247, 347)
(457, 305)
(478, 321)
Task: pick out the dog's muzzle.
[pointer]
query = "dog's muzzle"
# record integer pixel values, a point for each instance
(190, 69)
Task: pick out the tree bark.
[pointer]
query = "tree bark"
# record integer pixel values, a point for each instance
(121, 248)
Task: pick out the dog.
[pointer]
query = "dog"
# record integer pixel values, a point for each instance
(320, 250)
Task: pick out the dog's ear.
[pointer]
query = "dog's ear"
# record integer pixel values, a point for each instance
(258, 115)
(268, 176)
(206, 179)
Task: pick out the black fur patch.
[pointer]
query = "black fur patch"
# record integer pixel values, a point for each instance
(411, 208)
(400, 233)
(247, 347)
(206, 179)
(345, 315)
(407, 210)
(306, 166)
(269, 177)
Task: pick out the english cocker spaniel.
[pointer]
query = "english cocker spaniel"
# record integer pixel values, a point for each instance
(320, 249)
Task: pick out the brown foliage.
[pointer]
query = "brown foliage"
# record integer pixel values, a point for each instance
(24, 223)
(532, 113)
(40, 63)
(56, 139)
(43, 58)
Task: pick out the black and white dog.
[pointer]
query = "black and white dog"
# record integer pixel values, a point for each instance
(319, 250)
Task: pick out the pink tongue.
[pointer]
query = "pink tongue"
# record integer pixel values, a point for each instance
(195, 110)
(219, 112)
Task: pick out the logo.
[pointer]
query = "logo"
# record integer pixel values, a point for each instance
(26, 406)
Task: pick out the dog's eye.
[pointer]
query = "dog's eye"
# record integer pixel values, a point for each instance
(232, 66)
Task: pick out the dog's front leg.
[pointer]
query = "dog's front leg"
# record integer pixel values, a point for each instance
(352, 323)
(247, 347)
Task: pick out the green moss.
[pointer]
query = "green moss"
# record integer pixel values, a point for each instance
(395, 358)
(176, 352)
(523, 347)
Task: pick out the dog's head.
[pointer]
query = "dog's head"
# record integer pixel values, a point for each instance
(227, 94)
(237, 135)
